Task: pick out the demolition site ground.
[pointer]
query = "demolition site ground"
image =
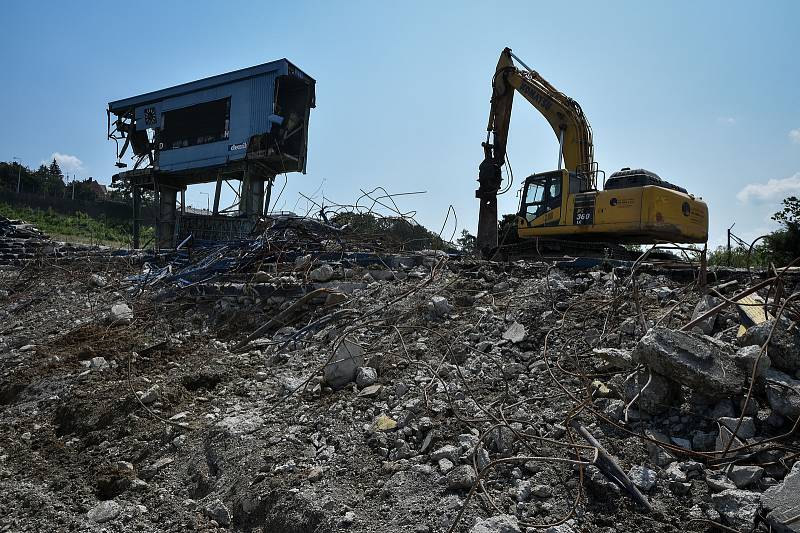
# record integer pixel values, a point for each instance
(299, 382)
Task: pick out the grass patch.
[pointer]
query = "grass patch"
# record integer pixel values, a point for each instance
(78, 227)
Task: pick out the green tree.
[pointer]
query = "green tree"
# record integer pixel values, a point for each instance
(468, 243)
(784, 244)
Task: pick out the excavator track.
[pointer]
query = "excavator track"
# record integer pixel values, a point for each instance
(560, 249)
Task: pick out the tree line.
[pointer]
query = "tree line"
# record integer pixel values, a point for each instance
(51, 181)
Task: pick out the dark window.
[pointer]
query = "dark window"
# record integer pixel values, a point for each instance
(198, 124)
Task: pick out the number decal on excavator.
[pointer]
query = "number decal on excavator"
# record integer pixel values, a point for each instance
(584, 216)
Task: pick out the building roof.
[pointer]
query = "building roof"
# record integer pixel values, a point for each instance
(283, 66)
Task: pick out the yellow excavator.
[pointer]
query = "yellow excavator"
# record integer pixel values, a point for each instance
(635, 205)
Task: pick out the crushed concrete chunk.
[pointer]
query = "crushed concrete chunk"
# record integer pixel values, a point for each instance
(496, 524)
(783, 393)
(104, 511)
(341, 370)
(515, 333)
(698, 362)
(784, 346)
(737, 507)
(705, 304)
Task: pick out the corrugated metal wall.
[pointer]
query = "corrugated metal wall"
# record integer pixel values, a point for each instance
(262, 95)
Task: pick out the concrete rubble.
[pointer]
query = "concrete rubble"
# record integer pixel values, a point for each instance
(306, 382)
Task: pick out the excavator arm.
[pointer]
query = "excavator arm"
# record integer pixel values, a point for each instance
(562, 113)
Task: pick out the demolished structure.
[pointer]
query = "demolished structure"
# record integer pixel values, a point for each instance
(245, 127)
(313, 379)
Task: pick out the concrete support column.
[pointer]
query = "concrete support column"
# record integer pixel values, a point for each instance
(165, 229)
(251, 201)
(137, 215)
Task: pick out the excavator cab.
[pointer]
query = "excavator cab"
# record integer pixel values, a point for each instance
(543, 198)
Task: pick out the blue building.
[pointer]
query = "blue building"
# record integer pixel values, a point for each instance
(248, 126)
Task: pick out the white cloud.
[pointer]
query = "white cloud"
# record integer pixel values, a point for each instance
(727, 121)
(794, 135)
(772, 190)
(69, 164)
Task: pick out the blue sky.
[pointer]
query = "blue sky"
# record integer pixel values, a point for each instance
(702, 93)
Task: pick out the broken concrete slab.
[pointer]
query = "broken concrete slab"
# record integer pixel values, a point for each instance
(783, 502)
(696, 361)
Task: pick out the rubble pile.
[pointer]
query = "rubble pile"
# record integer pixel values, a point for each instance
(21, 242)
(301, 382)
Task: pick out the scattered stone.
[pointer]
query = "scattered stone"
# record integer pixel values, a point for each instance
(745, 476)
(658, 455)
(746, 430)
(384, 423)
(322, 274)
(446, 452)
(496, 524)
(445, 465)
(216, 510)
(104, 511)
(746, 356)
(698, 362)
(717, 481)
(439, 307)
(643, 477)
(656, 393)
(615, 357)
(542, 491)
(96, 280)
(515, 333)
(121, 314)
(315, 474)
(737, 507)
(152, 470)
(366, 376)
(705, 304)
(461, 478)
(783, 393)
(149, 396)
(724, 437)
(784, 345)
(341, 370)
(703, 441)
(98, 363)
(370, 391)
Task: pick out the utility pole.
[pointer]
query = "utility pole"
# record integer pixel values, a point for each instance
(73, 186)
(19, 173)
(729, 244)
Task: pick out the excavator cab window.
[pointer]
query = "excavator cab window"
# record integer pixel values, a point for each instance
(554, 193)
(542, 193)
